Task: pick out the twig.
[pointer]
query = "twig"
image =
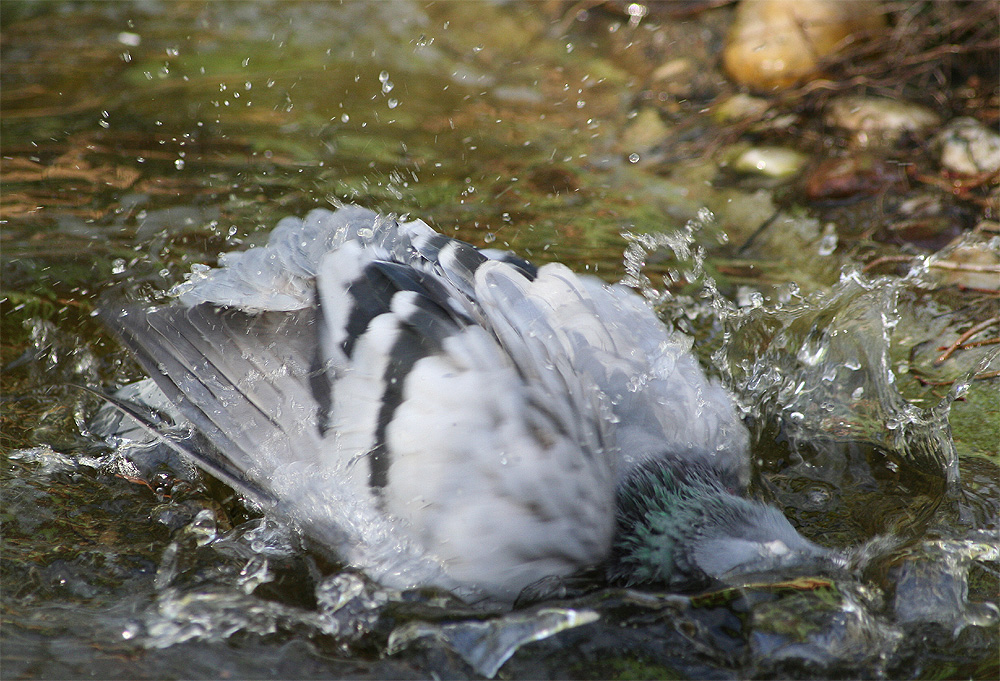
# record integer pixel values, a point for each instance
(965, 267)
(976, 328)
(884, 259)
(975, 344)
(978, 377)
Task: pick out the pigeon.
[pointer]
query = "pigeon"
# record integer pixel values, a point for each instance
(439, 415)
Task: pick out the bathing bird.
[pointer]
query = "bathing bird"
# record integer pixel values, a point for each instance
(441, 415)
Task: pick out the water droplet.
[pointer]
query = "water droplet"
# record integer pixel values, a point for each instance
(633, 158)
(828, 244)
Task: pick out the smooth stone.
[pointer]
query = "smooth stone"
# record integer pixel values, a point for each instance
(973, 262)
(644, 132)
(776, 162)
(670, 70)
(858, 174)
(775, 44)
(926, 220)
(877, 120)
(968, 147)
(740, 107)
(675, 77)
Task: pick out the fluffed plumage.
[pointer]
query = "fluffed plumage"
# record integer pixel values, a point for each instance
(433, 413)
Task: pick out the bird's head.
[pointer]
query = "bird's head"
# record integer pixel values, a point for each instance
(686, 530)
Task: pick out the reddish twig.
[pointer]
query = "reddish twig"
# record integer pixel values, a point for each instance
(884, 259)
(976, 328)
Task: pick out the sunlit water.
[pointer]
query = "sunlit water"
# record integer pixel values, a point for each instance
(121, 560)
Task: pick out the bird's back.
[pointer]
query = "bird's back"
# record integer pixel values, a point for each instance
(434, 413)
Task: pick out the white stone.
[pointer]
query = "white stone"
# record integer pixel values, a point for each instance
(877, 119)
(968, 147)
(777, 162)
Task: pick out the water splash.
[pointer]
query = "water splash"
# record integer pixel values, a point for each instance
(487, 645)
(823, 367)
(823, 382)
(818, 369)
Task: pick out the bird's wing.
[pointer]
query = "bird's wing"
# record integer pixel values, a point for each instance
(358, 387)
(661, 402)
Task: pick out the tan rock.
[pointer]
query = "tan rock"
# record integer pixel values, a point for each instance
(778, 43)
(740, 107)
(776, 162)
(878, 120)
(973, 262)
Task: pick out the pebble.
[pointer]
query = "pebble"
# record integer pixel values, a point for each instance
(878, 120)
(926, 220)
(775, 44)
(740, 107)
(973, 262)
(775, 162)
(673, 69)
(644, 132)
(968, 147)
(855, 175)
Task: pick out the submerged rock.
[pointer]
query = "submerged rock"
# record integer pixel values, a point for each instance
(972, 261)
(776, 162)
(779, 43)
(860, 174)
(968, 147)
(740, 107)
(645, 131)
(877, 120)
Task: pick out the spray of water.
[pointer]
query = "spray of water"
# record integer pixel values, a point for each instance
(818, 368)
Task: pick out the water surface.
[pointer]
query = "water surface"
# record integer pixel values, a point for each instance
(142, 138)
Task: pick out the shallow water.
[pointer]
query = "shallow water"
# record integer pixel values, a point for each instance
(140, 139)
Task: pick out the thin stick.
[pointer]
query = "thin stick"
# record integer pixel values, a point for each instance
(884, 259)
(964, 337)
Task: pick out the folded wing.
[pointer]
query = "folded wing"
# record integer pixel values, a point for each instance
(360, 389)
